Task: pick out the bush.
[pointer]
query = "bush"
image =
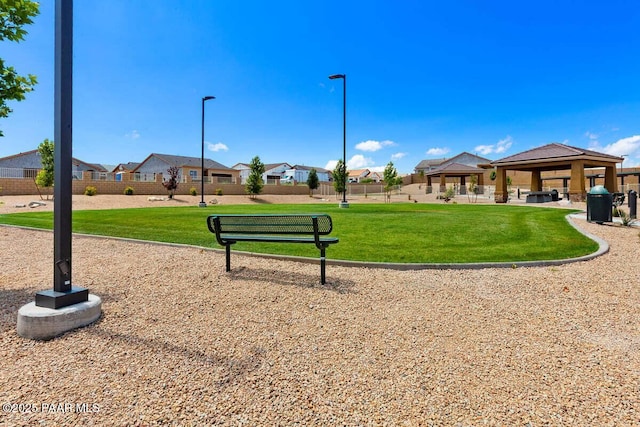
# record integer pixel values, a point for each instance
(218, 191)
(128, 191)
(90, 191)
(193, 191)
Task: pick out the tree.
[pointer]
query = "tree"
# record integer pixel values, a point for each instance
(13, 16)
(473, 188)
(391, 179)
(339, 175)
(255, 183)
(172, 183)
(45, 175)
(312, 181)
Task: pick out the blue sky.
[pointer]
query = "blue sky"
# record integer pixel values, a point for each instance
(425, 79)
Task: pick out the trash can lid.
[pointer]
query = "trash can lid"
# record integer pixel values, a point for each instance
(598, 189)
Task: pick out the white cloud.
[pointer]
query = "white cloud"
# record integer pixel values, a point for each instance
(484, 149)
(437, 151)
(629, 146)
(331, 165)
(398, 156)
(359, 162)
(592, 136)
(134, 134)
(498, 148)
(217, 147)
(372, 145)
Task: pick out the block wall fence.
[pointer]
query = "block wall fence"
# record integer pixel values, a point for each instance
(27, 186)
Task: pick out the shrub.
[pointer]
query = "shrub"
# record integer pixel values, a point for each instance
(128, 191)
(218, 191)
(193, 191)
(90, 191)
(449, 194)
(626, 219)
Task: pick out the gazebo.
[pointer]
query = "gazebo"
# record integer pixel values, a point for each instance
(556, 157)
(456, 170)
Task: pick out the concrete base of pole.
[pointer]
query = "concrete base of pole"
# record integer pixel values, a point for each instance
(202, 204)
(343, 205)
(40, 323)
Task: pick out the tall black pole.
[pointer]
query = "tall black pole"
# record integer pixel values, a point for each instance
(344, 203)
(63, 292)
(344, 137)
(63, 146)
(202, 203)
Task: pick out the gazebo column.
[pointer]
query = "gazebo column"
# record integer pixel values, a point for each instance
(429, 186)
(463, 185)
(501, 195)
(443, 183)
(536, 180)
(610, 178)
(577, 192)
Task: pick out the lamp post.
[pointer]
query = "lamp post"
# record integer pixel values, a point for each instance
(202, 203)
(343, 203)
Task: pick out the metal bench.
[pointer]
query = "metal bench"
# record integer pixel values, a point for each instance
(291, 228)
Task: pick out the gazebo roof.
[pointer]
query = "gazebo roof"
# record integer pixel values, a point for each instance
(555, 152)
(455, 169)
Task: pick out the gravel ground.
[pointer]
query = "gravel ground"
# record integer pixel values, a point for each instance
(181, 342)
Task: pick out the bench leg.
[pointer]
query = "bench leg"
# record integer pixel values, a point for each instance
(322, 266)
(228, 254)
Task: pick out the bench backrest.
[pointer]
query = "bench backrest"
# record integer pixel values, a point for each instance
(269, 224)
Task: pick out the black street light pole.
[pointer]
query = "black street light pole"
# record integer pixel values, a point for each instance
(202, 203)
(63, 293)
(344, 203)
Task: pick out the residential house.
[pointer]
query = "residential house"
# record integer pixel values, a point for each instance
(123, 168)
(273, 172)
(429, 165)
(357, 174)
(27, 165)
(187, 166)
(376, 177)
(463, 158)
(300, 173)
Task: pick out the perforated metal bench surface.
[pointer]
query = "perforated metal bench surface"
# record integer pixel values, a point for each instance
(290, 228)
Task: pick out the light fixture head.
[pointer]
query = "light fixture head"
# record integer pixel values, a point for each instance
(206, 98)
(336, 76)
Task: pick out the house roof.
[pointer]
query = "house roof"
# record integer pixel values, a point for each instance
(455, 168)
(308, 168)
(185, 161)
(555, 152)
(467, 154)
(429, 163)
(129, 166)
(35, 162)
(271, 166)
(358, 172)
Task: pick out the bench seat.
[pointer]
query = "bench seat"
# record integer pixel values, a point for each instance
(291, 228)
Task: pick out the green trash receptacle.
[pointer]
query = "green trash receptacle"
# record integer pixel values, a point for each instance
(599, 205)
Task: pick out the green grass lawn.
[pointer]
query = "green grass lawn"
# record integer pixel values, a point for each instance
(405, 233)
